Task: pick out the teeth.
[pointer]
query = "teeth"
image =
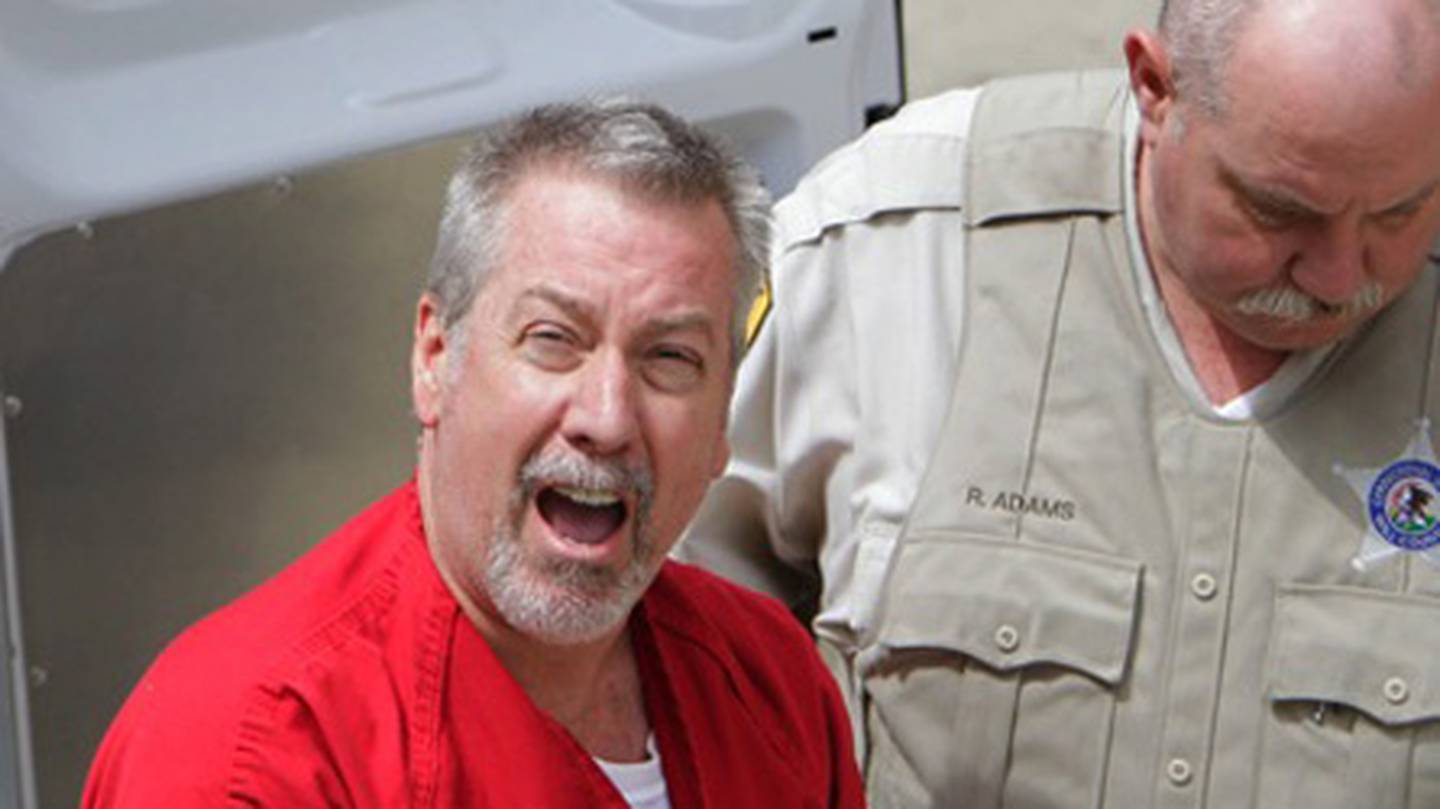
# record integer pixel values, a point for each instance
(589, 497)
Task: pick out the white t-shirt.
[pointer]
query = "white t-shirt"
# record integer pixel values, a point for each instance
(642, 784)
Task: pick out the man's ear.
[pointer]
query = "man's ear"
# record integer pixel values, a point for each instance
(1152, 81)
(428, 356)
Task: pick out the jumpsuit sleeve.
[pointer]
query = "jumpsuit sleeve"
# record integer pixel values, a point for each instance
(166, 749)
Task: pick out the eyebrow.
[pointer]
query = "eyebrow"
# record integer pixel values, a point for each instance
(581, 310)
(1416, 199)
(1285, 205)
(1274, 201)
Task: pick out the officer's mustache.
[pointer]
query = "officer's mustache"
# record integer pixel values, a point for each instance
(1287, 302)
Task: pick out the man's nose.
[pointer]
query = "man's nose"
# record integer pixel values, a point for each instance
(601, 416)
(1332, 264)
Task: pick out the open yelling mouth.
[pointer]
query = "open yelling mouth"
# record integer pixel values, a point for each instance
(583, 515)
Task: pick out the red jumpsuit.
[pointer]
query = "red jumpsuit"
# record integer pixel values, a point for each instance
(352, 679)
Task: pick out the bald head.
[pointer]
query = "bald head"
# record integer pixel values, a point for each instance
(1287, 146)
(1398, 40)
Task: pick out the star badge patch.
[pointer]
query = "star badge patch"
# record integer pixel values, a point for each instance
(1402, 503)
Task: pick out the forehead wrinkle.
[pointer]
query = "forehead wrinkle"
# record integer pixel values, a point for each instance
(553, 294)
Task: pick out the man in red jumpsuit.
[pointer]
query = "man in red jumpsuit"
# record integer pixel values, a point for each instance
(505, 630)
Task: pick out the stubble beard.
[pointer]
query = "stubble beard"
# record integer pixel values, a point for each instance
(565, 601)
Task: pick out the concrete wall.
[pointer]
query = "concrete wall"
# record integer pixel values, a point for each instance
(952, 43)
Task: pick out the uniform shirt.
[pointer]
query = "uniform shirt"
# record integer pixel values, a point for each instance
(968, 699)
(840, 399)
(353, 679)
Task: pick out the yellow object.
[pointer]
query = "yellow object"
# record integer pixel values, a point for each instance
(758, 310)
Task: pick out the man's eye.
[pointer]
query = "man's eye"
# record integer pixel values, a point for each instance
(674, 369)
(1267, 216)
(550, 347)
(1400, 215)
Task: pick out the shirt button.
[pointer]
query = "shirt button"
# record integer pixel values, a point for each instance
(1204, 586)
(1179, 772)
(1397, 690)
(1007, 638)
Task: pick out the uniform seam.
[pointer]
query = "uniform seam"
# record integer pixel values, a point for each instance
(1047, 367)
(1222, 658)
(1185, 534)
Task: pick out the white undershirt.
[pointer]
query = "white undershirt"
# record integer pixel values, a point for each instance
(642, 784)
(1261, 400)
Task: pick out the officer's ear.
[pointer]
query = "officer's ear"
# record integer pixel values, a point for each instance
(428, 355)
(1152, 81)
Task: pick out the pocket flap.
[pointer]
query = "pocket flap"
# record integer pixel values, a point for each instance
(1368, 650)
(1011, 604)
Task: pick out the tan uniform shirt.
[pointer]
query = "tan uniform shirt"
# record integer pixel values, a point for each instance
(1107, 596)
(840, 399)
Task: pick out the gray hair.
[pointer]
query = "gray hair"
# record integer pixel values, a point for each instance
(1200, 36)
(642, 148)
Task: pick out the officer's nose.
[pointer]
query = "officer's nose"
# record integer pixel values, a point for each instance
(1332, 263)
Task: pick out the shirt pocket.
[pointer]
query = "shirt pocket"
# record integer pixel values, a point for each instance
(991, 678)
(1353, 693)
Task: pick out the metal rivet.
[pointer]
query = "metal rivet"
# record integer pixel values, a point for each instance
(1179, 772)
(1397, 690)
(1007, 638)
(1204, 586)
(13, 406)
(38, 677)
(85, 230)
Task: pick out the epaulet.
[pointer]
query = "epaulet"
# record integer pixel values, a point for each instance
(1045, 145)
(912, 161)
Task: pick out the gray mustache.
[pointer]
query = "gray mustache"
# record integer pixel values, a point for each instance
(584, 472)
(1288, 303)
